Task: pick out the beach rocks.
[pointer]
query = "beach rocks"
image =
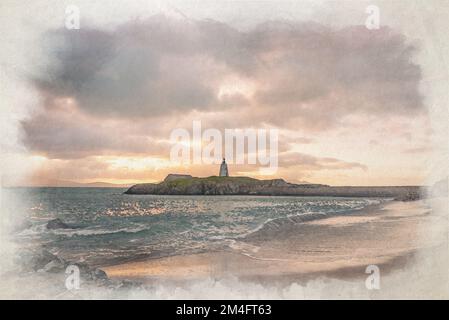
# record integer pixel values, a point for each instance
(90, 274)
(46, 261)
(54, 266)
(128, 285)
(98, 274)
(57, 224)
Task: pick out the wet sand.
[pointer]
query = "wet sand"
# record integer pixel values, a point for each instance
(337, 247)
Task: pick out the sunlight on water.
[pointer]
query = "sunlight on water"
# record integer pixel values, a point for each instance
(108, 225)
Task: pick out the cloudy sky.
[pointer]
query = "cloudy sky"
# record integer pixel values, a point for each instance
(99, 103)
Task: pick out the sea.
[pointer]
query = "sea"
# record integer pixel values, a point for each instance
(109, 227)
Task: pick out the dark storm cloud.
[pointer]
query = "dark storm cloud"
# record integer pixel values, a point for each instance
(137, 70)
(303, 75)
(61, 135)
(163, 65)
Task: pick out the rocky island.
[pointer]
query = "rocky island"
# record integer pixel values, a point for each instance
(176, 184)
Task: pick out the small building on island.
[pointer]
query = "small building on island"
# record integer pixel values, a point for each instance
(224, 169)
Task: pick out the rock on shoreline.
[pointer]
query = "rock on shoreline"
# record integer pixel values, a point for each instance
(57, 224)
(45, 261)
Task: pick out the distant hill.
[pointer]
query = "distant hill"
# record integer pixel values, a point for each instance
(72, 184)
(105, 185)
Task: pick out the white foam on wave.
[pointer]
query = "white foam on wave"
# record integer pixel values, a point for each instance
(90, 232)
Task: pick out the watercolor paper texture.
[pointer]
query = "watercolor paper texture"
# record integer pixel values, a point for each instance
(327, 121)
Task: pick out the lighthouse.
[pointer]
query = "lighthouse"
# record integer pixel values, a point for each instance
(224, 169)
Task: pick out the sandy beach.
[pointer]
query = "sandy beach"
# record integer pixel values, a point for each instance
(338, 247)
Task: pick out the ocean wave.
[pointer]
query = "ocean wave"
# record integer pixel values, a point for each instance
(202, 225)
(41, 229)
(33, 231)
(95, 232)
(276, 224)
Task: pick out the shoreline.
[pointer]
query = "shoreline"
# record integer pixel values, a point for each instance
(339, 246)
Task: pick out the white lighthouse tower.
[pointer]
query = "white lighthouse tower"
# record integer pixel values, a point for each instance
(224, 169)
